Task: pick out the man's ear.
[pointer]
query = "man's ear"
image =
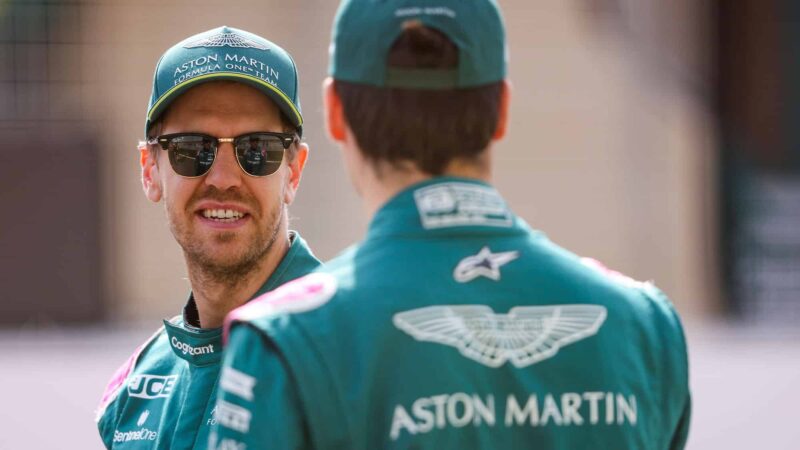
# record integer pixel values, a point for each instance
(332, 107)
(296, 167)
(151, 179)
(503, 111)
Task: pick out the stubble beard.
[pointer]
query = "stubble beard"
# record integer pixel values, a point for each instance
(209, 264)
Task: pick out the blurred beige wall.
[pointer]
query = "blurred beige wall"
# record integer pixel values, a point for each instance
(610, 150)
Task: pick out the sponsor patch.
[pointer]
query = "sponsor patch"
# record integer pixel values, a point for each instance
(484, 264)
(187, 349)
(152, 386)
(212, 417)
(231, 444)
(237, 383)
(459, 204)
(142, 434)
(524, 336)
(427, 11)
(225, 443)
(233, 416)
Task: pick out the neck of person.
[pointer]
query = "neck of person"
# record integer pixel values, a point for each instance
(379, 183)
(216, 297)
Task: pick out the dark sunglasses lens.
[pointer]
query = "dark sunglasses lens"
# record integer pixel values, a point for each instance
(191, 156)
(260, 155)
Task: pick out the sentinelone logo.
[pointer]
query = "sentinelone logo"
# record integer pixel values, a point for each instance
(144, 434)
(187, 349)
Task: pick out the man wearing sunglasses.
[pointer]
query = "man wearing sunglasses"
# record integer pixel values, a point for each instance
(453, 324)
(223, 153)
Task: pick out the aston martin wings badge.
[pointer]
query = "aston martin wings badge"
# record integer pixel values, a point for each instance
(525, 335)
(225, 39)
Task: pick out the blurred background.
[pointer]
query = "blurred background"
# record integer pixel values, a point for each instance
(656, 136)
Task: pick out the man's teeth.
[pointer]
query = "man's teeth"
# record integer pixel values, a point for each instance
(222, 214)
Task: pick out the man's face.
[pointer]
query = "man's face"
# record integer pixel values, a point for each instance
(226, 220)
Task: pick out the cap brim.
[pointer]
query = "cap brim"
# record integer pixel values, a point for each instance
(280, 99)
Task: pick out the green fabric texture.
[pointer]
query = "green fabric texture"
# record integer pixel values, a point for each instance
(364, 31)
(226, 53)
(454, 325)
(166, 398)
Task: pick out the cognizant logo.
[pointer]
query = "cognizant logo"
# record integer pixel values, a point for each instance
(187, 349)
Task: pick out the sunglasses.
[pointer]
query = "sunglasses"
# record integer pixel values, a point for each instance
(259, 154)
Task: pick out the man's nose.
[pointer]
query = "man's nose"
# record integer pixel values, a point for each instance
(225, 173)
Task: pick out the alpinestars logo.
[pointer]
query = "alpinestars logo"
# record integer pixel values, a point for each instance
(226, 40)
(485, 264)
(524, 336)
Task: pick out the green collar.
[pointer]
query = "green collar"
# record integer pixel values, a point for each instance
(198, 347)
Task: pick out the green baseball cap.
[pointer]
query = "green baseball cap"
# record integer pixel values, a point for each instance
(226, 53)
(364, 31)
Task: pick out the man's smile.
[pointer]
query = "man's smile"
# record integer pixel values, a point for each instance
(222, 215)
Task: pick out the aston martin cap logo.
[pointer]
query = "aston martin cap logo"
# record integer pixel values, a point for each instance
(226, 39)
(524, 336)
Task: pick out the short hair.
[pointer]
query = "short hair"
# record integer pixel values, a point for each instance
(428, 128)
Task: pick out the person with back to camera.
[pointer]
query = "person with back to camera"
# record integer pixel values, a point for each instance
(452, 324)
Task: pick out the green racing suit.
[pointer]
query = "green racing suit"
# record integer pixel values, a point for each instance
(163, 396)
(454, 325)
